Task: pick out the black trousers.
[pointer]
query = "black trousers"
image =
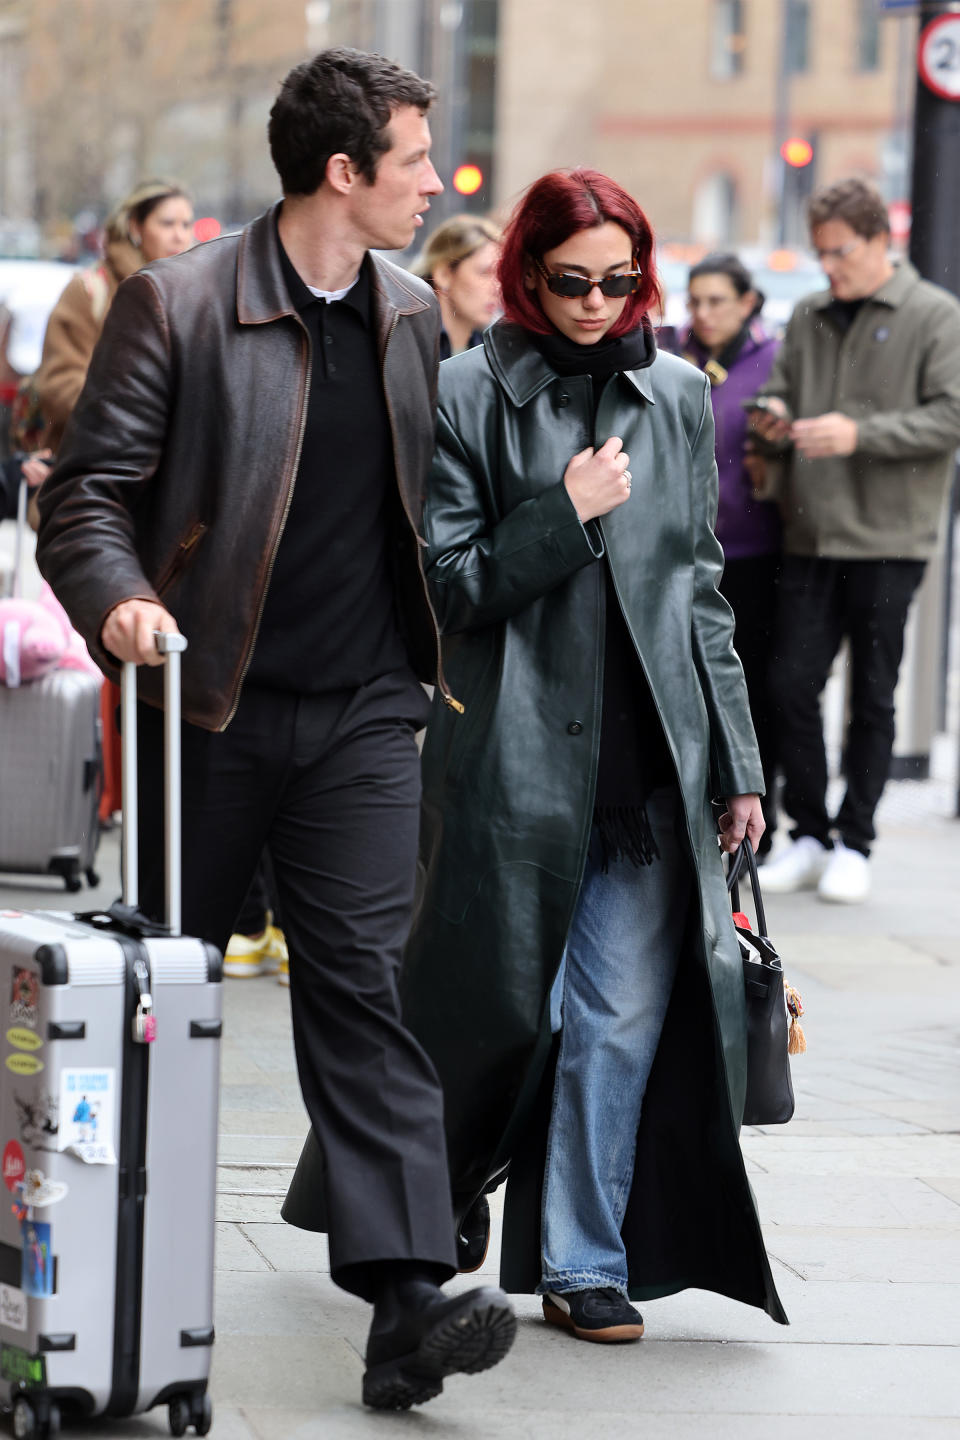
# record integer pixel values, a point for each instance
(330, 785)
(749, 585)
(821, 602)
(260, 901)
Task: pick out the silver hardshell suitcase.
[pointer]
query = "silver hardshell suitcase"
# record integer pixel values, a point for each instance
(50, 766)
(108, 1106)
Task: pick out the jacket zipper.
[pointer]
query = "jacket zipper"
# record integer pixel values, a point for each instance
(180, 557)
(282, 526)
(448, 699)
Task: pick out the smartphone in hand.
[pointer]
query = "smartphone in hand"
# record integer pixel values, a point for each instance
(760, 402)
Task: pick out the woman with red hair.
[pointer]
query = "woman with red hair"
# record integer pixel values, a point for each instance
(574, 972)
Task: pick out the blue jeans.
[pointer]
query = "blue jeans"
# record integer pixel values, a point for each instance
(613, 989)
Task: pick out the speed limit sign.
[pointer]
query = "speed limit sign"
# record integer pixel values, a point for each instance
(938, 56)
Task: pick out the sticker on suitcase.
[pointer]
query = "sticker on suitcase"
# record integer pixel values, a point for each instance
(14, 1164)
(19, 1367)
(37, 1276)
(13, 1308)
(38, 1190)
(23, 1039)
(24, 997)
(37, 1119)
(87, 1112)
(22, 1064)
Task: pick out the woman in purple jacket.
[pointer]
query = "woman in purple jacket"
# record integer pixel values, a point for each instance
(727, 342)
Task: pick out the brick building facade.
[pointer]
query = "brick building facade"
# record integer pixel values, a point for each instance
(684, 103)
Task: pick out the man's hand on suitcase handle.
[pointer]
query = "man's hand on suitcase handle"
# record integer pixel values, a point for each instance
(129, 631)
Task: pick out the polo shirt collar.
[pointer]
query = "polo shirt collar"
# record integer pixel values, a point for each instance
(358, 297)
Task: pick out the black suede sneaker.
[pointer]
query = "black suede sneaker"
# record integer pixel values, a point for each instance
(473, 1236)
(419, 1337)
(604, 1316)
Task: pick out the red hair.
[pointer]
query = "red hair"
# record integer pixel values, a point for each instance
(559, 205)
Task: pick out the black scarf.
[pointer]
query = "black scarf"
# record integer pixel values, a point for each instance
(633, 351)
(633, 758)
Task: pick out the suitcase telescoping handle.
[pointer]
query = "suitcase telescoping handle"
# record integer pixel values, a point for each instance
(171, 646)
(22, 496)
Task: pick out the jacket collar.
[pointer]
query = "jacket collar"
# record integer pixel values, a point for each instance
(892, 293)
(262, 293)
(122, 258)
(523, 372)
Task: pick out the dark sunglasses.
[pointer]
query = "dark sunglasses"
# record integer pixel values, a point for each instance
(576, 287)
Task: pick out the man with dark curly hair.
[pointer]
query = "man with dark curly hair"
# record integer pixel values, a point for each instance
(247, 461)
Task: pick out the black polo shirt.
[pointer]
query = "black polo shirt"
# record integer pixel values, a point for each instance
(329, 620)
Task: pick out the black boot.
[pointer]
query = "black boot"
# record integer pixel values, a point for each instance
(419, 1336)
(473, 1236)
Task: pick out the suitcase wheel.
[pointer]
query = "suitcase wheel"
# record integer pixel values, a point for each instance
(179, 1415)
(203, 1414)
(186, 1410)
(24, 1420)
(29, 1425)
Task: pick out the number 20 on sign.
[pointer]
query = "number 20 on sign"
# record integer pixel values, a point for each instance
(938, 56)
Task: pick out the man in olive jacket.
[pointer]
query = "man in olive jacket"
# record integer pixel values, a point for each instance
(864, 401)
(247, 461)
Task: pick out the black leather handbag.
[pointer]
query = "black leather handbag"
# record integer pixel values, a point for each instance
(769, 1086)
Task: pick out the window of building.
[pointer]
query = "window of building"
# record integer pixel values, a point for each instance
(797, 36)
(729, 41)
(868, 35)
(715, 220)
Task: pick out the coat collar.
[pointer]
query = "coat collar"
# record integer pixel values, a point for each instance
(262, 293)
(893, 293)
(522, 370)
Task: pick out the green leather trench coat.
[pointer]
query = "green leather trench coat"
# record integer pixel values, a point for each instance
(508, 798)
(519, 592)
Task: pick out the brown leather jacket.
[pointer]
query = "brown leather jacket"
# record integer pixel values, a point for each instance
(177, 467)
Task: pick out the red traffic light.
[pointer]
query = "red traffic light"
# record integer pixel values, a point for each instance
(206, 228)
(797, 152)
(467, 179)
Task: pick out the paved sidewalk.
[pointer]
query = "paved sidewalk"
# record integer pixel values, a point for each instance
(860, 1198)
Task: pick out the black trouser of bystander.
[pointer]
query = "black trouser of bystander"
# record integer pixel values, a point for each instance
(822, 601)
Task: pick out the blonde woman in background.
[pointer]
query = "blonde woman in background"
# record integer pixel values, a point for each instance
(153, 222)
(460, 262)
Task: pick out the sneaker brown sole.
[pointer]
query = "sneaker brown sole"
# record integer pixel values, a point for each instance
(609, 1335)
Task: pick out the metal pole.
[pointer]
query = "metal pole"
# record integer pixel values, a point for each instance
(935, 203)
(936, 175)
(781, 121)
(949, 561)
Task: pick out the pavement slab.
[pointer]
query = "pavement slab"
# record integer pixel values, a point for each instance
(859, 1197)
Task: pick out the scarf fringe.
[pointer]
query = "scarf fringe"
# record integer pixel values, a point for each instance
(624, 833)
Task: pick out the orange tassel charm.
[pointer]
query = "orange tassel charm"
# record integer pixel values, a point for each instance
(796, 1040)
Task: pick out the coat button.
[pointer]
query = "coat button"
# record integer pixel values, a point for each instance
(563, 400)
(574, 728)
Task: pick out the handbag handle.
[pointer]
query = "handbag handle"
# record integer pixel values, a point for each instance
(745, 858)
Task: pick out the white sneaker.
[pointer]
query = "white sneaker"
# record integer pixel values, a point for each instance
(846, 879)
(797, 868)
